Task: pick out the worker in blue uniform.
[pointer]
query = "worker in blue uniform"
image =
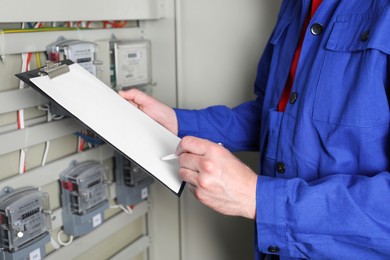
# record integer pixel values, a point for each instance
(321, 123)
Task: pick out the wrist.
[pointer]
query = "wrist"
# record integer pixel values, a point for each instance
(250, 207)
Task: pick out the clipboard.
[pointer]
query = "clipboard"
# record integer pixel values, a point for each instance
(116, 121)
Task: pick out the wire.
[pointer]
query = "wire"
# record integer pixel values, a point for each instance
(89, 138)
(22, 161)
(120, 24)
(80, 143)
(69, 26)
(57, 117)
(54, 243)
(115, 24)
(38, 58)
(61, 242)
(44, 107)
(127, 209)
(42, 29)
(44, 158)
(26, 59)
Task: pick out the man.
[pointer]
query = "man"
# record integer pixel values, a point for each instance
(321, 124)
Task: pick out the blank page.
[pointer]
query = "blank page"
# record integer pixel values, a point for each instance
(114, 119)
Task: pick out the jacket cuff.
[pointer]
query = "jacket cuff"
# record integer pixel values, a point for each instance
(187, 122)
(271, 215)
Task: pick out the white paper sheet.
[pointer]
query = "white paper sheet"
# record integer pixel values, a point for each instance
(117, 121)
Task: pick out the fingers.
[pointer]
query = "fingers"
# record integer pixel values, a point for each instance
(189, 176)
(198, 155)
(136, 97)
(196, 161)
(194, 145)
(217, 178)
(161, 113)
(130, 94)
(190, 151)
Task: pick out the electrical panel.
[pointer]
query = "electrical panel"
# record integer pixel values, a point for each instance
(132, 63)
(24, 223)
(84, 197)
(81, 52)
(132, 182)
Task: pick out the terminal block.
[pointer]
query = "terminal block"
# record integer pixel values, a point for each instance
(24, 223)
(84, 197)
(132, 182)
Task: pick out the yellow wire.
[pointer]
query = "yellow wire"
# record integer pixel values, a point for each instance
(38, 59)
(41, 30)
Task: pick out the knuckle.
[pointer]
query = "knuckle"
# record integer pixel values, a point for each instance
(207, 166)
(198, 194)
(204, 183)
(186, 141)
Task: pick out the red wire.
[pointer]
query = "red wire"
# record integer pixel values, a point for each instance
(28, 60)
(19, 120)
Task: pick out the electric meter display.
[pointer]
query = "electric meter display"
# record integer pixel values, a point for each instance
(132, 63)
(24, 223)
(81, 52)
(84, 197)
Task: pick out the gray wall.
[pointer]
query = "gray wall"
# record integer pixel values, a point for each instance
(219, 45)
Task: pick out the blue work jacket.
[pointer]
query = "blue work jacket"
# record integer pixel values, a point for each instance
(323, 190)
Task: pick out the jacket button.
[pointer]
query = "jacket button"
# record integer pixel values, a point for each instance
(280, 167)
(364, 37)
(273, 249)
(316, 29)
(293, 97)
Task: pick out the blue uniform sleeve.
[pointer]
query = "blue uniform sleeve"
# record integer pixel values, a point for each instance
(237, 129)
(336, 217)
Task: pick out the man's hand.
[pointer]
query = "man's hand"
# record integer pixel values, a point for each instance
(160, 112)
(217, 178)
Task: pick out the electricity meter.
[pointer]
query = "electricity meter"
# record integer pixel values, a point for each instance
(132, 63)
(84, 197)
(131, 182)
(24, 223)
(81, 52)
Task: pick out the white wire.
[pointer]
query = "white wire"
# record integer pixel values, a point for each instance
(126, 209)
(2, 45)
(44, 158)
(61, 242)
(57, 117)
(21, 86)
(20, 116)
(37, 25)
(54, 243)
(22, 161)
(46, 107)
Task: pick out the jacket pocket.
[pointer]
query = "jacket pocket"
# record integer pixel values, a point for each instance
(353, 85)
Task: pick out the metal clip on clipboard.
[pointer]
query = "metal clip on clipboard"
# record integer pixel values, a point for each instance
(54, 69)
